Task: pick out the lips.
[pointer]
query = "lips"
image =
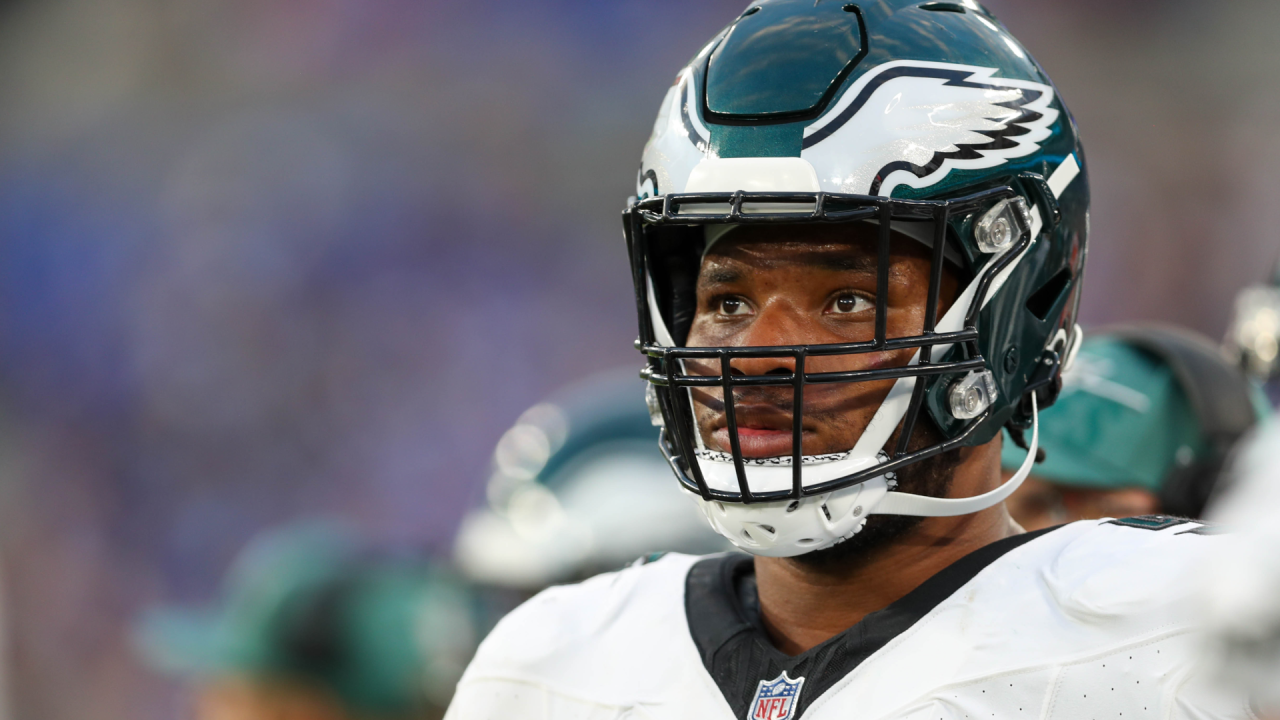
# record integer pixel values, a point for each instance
(756, 442)
(763, 432)
(834, 417)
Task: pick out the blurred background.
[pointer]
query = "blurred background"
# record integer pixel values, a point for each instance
(262, 259)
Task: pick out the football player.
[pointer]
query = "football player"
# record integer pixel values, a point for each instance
(315, 626)
(1240, 582)
(1146, 419)
(578, 487)
(857, 248)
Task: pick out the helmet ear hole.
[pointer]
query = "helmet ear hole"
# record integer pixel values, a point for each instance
(1043, 301)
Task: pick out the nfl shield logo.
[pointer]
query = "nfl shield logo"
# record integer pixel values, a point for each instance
(775, 699)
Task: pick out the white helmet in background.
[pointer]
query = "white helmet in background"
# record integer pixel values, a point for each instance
(1253, 338)
(579, 486)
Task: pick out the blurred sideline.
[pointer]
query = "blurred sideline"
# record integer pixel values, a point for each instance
(269, 260)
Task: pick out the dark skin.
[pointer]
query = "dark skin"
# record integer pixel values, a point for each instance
(817, 285)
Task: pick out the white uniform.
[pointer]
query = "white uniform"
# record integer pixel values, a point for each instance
(1085, 622)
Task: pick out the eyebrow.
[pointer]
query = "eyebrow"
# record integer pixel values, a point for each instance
(722, 275)
(845, 262)
(732, 272)
(726, 275)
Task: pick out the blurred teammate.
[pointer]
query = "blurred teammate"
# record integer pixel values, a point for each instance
(1240, 583)
(1147, 416)
(1253, 337)
(832, 369)
(579, 487)
(311, 626)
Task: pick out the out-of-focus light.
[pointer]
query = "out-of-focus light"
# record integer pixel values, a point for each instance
(551, 420)
(522, 452)
(1253, 338)
(535, 513)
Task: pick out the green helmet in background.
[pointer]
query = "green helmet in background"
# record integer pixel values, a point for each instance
(926, 120)
(1148, 407)
(308, 603)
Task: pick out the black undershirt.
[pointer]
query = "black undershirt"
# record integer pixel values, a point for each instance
(723, 610)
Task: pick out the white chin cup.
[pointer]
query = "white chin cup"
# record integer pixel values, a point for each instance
(788, 528)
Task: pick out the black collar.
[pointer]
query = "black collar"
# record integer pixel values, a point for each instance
(723, 612)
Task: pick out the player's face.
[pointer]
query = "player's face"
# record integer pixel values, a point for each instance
(803, 285)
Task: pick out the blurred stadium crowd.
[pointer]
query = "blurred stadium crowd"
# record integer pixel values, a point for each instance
(265, 261)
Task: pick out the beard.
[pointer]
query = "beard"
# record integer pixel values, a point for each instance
(930, 477)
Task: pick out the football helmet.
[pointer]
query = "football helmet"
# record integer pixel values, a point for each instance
(578, 487)
(1147, 406)
(384, 634)
(926, 121)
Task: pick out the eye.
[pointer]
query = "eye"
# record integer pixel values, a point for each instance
(850, 304)
(734, 306)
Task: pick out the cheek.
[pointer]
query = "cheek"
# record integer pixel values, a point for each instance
(704, 333)
(864, 361)
(909, 298)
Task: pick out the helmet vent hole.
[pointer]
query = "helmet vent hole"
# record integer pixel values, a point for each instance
(851, 7)
(751, 11)
(1042, 301)
(943, 7)
(769, 529)
(807, 542)
(793, 506)
(826, 511)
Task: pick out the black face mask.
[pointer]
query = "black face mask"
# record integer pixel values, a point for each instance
(667, 239)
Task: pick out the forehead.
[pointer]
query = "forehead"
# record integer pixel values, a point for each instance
(837, 248)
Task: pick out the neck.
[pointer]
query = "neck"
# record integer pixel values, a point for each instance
(802, 606)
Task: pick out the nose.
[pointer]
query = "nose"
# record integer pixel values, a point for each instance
(773, 327)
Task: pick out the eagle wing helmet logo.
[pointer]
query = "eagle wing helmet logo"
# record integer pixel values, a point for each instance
(902, 123)
(912, 123)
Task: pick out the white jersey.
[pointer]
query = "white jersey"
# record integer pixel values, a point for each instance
(1088, 621)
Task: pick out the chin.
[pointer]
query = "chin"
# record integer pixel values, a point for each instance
(931, 477)
(881, 532)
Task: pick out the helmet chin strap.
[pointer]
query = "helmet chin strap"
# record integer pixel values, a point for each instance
(896, 503)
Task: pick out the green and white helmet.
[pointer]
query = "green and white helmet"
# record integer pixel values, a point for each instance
(927, 120)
